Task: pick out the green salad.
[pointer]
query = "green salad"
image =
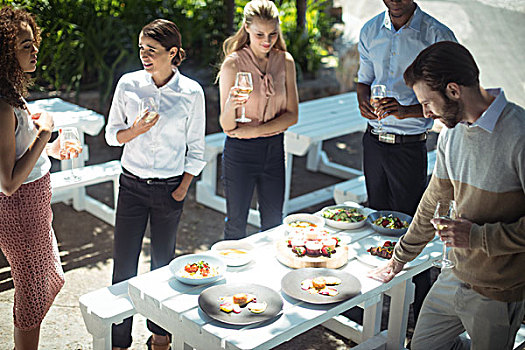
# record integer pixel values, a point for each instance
(391, 222)
(344, 214)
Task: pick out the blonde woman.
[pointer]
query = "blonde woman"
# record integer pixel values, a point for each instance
(253, 155)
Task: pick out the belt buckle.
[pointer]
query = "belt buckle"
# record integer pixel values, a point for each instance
(387, 138)
(149, 182)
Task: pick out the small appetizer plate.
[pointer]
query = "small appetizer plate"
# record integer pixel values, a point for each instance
(216, 264)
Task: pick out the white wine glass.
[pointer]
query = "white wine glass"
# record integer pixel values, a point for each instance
(445, 209)
(244, 85)
(149, 109)
(377, 93)
(69, 145)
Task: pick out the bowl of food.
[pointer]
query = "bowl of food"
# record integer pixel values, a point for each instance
(389, 223)
(233, 252)
(303, 223)
(343, 217)
(198, 269)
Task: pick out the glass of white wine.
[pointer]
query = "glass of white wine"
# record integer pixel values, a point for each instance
(376, 94)
(244, 85)
(445, 209)
(70, 144)
(149, 109)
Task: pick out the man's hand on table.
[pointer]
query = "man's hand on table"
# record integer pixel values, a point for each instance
(386, 272)
(456, 232)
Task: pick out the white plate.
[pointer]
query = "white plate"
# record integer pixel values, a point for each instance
(311, 218)
(237, 259)
(359, 250)
(178, 263)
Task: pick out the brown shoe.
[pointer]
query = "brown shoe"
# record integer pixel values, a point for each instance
(163, 344)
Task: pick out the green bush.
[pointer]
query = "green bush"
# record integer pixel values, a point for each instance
(307, 46)
(89, 44)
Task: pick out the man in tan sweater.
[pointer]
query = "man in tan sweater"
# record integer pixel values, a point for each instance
(481, 165)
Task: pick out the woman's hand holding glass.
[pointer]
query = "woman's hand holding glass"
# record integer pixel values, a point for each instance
(148, 116)
(241, 92)
(70, 147)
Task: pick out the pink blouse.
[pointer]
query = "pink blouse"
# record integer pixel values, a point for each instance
(268, 98)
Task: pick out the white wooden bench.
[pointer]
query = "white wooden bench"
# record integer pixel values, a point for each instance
(355, 189)
(88, 175)
(102, 308)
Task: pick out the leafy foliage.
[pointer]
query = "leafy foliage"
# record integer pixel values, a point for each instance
(88, 44)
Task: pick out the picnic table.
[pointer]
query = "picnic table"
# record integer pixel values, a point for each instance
(319, 120)
(66, 114)
(159, 296)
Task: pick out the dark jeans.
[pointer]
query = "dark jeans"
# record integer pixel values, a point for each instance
(396, 177)
(139, 201)
(249, 164)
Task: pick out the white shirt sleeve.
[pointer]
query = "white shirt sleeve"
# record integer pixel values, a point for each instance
(117, 116)
(195, 126)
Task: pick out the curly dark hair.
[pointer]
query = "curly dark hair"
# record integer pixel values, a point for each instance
(13, 80)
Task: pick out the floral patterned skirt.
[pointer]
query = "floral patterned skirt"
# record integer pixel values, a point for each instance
(29, 244)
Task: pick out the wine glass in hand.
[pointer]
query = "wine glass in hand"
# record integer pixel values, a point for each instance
(244, 85)
(445, 209)
(70, 148)
(148, 109)
(376, 94)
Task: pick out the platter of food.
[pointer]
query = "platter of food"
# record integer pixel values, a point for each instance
(240, 304)
(344, 217)
(320, 286)
(233, 252)
(197, 269)
(312, 249)
(376, 250)
(390, 223)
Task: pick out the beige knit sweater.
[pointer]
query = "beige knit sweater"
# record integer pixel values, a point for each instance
(485, 173)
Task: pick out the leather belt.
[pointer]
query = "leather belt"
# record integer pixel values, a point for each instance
(397, 139)
(153, 181)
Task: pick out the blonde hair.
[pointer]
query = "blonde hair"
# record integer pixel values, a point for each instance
(262, 9)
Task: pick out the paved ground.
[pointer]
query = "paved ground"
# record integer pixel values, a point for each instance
(494, 34)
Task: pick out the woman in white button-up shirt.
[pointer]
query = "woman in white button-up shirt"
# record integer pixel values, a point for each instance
(161, 156)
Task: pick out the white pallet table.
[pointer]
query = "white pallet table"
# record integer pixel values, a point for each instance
(66, 114)
(62, 184)
(319, 120)
(173, 305)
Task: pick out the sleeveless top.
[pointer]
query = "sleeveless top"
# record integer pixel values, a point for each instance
(25, 134)
(268, 98)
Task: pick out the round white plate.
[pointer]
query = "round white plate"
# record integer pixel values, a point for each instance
(359, 250)
(178, 263)
(233, 259)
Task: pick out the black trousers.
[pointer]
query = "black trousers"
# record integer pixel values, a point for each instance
(139, 201)
(396, 177)
(250, 164)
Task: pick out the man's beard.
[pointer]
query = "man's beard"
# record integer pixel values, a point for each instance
(452, 113)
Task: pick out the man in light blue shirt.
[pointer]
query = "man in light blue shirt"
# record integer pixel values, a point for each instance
(395, 161)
